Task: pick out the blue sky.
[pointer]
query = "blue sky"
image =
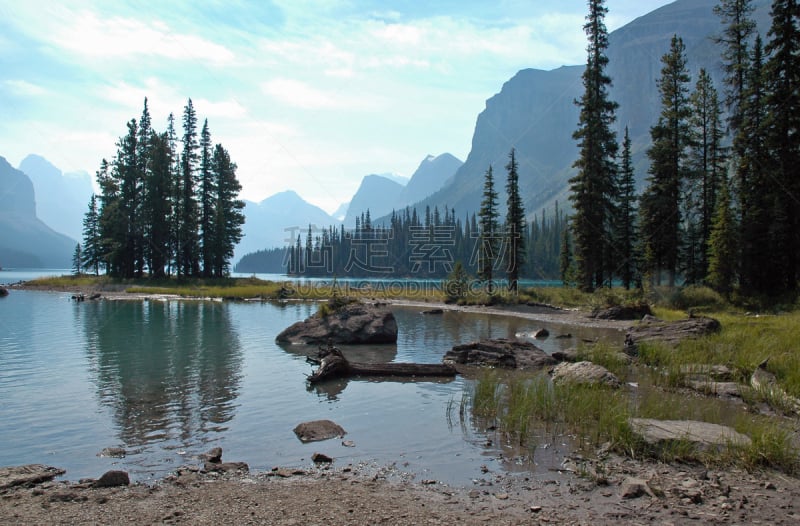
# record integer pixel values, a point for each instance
(309, 95)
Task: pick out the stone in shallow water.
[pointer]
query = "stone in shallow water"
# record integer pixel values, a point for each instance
(318, 430)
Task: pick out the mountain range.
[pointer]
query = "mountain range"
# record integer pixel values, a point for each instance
(534, 112)
(26, 241)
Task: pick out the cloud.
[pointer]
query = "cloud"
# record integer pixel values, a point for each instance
(302, 95)
(85, 33)
(24, 88)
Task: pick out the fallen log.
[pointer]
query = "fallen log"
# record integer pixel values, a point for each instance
(333, 364)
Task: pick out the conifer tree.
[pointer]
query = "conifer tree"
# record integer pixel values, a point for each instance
(592, 189)
(92, 248)
(207, 194)
(77, 260)
(227, 210)
(722, 252)
(187, 243)
(661, 201)
(158, 204)
(488, 231)
(782, 72)
(515, 225)
(625, 224)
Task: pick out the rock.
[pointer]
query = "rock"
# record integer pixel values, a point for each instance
(433, 311)
(633, 488)
(721, 389)
(321, 458)
(27, 475)
(500, 352)
(213, 455)
(113, 478)
(567, 355)
(541, 334)
(766, 383)
(226, 467)
(584, 373)
(671, 333)
(113, 452)
(702, 435)
(623, 312)
(318, 430)
(701, 371)
(352, 323)
(3, 292)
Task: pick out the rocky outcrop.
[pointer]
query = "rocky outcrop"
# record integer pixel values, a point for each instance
(671, 333)
(702, 435)
(3, 292)
(352, 323)
(112, 479)
(584, 373)
(333, 364)
(318, 430)
(500, 352)
(27, 475)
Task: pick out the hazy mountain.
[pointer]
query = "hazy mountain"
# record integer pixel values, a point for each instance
(380, 194)
(61, 199)
(535, 113)
(341, 212)
(277, 220)
(429, 177)
(25, 241)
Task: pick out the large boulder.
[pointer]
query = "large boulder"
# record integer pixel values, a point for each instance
(3, 292)
(318, 430)
(500, 352)
(351, 323)
(584, 373)
(671, 333)
(623, 312)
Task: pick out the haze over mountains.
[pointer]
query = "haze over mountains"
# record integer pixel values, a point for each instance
(534, 112)
(25, 241)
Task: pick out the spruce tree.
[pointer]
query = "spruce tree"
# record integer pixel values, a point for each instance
(207, 194)
(92, 247)
(187, 243)
(487, 232)
(782, 72)
(77, 260)
(227, 210)
(625, 224)
(722, 244)
(158, 204)
(592, 189)
(661, 201)
(515, 225)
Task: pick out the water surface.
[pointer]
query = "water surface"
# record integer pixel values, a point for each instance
(167, 380)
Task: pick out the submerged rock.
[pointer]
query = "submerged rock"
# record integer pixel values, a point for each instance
(113, 452)
(500, 352)
(351, 323)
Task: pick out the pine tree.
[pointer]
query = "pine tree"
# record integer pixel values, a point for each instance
(707, 159)
(625, 224)
(739, 27)
(782, 72)
(515, 225)
(92, 247)
(77, 260)
(661, 201)
(722, 253)
(487, 228)
(207, 191)
(566, 268)
(227, 210)
(592, 190)
(158, 204)
(187, 243)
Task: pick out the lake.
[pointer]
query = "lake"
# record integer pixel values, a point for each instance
(169, 379)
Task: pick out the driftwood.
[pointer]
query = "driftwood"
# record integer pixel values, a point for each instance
(333, 364)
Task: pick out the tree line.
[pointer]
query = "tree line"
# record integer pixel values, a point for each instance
(720, 206)
(433, 244)
(166, 207)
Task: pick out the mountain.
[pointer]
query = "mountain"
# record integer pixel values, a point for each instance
(341, 212)
(376, 194)
(534, 111)
(61, 199)
(25, 241)
(277, 220)
(380, 194)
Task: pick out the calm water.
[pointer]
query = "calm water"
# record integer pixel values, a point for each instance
(167, 380)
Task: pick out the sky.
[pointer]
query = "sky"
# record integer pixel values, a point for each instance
(306, 95)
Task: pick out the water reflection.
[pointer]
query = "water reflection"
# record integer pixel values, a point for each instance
(168, 370)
